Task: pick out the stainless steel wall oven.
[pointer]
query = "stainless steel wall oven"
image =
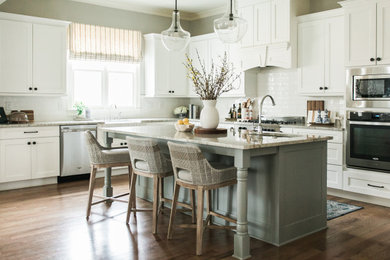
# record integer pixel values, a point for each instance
(368, 143)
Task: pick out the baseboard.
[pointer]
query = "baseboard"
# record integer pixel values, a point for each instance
(27, 183)
(359, 197)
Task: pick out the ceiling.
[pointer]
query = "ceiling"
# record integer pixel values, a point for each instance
(189, 9)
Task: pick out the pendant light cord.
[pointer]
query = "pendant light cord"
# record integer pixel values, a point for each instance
(231, 11)
(176, 11)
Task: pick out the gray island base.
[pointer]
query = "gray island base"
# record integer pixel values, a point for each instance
(280, 194)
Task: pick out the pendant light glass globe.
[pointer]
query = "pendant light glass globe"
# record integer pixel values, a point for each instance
(230, 28)
(175, 38)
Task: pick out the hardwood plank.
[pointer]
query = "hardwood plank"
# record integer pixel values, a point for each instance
(48, 222)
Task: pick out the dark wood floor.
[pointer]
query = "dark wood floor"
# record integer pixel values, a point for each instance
(49, 223)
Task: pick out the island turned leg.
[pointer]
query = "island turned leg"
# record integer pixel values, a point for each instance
(241, 238)
(107, 189)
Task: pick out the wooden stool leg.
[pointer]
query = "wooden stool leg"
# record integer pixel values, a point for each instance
(156, 181)
(161, 205)
(131, 202)
(173, 210)
(199, 223)
(92, 179)
(208, 207)
(192, 198)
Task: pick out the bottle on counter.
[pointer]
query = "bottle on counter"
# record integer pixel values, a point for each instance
(234, 112)
(239, 111)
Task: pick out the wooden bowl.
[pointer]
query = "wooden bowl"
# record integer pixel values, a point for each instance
(184, 128)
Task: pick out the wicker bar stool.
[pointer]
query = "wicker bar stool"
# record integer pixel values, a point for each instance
(194, 172)
(148, 161)
(102, 157)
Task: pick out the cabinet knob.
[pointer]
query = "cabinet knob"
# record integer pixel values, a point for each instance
(28, 143)
(378, 59)
(30, 88)
(173, 91)
(326, 88)
(372, 59)
(35, 88)
(34, 143)
(321, 88)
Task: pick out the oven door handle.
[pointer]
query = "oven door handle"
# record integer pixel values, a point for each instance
(368, 123)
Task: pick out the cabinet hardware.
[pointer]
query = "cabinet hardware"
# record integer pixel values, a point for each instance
(321, 88)
(372, 59)
(31, 132)
(378, 59)
(34, 143)
(29, 88)
(173, 91)
(28, 143)
(35, 88)
(326, 88)
(376, 186)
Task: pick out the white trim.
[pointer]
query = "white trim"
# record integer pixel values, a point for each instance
(165, 12)
(359, 197)
(2, 1)
(320, 15)
(32, 19)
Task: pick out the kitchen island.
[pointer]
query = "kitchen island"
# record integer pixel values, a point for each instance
(282, 178)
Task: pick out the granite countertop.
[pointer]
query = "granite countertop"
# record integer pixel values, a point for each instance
(89, 122)
(332, 128)
(243, 141)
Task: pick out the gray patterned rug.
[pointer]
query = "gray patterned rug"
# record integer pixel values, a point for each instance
(336, 209)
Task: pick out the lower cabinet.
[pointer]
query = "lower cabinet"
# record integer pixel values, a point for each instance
(27, 154)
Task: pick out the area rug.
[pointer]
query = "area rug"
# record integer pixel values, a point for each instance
(336, 209)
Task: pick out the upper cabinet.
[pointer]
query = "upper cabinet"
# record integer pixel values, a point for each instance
(211, 49)
(367, 38)
(271, 36)
(32, 55)
(321, 53)
(166, 74)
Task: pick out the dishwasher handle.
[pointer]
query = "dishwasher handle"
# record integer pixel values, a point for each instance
(66, 130)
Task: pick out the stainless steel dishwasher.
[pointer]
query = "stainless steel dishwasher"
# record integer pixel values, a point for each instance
(74, 154)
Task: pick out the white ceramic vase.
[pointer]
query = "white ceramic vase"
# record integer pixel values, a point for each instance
(209, 116)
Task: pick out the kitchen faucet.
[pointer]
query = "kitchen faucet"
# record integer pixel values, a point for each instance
(261, 110)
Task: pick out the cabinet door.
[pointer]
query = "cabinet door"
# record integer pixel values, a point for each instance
(217, 50)
(280, 21)
(262, 23)
(15, 160)
(360, 26)
(335, 176)
(49, 59)
(45, 161)
(177, 74)
(200, 46)
(334, 56)
(248, 15)
(383, 30)
(15, 57)
(311, 57)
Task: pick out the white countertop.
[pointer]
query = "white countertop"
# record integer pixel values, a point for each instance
(168, 132)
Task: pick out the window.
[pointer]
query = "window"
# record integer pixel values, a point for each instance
(104, 84)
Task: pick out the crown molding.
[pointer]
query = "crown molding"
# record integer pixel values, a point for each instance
(165, 12)
(2, 1)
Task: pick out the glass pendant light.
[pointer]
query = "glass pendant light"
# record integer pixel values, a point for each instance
(230, 28)
(175, 38)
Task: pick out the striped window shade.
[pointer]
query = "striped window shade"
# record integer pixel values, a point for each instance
(92, 42)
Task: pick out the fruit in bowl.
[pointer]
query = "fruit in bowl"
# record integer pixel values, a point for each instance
(184, 125)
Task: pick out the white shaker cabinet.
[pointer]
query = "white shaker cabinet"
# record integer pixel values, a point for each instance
(367, 38)
(32, 55)
(15, 160)
(321, 54)
(49, 59)
(15, 57)
(29, 153)
(165, 74)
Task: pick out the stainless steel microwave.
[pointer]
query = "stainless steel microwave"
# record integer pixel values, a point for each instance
(368, 87)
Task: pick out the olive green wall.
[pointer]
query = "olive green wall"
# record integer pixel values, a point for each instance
(89, 14)
(323, 5)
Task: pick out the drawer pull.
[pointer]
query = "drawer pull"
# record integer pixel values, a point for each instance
(376, 186)
(31, 132)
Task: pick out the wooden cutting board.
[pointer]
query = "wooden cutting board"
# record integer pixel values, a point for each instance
(210, 131)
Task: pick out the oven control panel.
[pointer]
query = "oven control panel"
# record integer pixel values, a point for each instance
(369, 116)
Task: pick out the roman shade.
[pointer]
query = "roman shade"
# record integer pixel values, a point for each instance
(93, 42)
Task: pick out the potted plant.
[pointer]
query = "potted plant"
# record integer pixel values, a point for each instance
(209, 85)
